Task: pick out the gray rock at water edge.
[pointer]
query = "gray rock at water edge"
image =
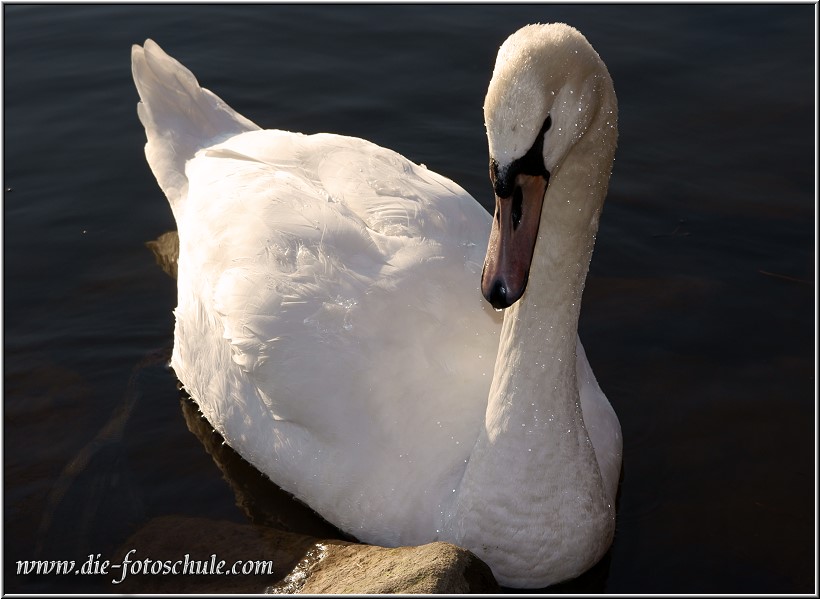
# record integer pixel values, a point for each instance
(332, 567)
(299, 563)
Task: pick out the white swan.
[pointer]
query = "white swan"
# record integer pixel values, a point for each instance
(330, 326)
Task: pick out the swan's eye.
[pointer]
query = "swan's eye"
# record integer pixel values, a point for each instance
(517, 206)
(532, 163)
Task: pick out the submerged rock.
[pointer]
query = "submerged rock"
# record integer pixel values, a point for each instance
(180, 540)
(353, 568)
(285, 562)
(166, 252)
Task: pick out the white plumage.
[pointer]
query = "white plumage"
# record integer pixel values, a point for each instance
(331, 327)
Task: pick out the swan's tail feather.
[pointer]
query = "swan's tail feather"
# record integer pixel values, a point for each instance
(179, 117)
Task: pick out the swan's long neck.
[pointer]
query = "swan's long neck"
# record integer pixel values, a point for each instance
(533, 481)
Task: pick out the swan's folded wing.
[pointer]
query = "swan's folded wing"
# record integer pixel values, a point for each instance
(336, 292)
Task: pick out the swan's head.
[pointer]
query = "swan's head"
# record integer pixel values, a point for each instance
(547, 86)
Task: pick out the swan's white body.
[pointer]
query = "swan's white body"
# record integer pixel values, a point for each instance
(330, 326)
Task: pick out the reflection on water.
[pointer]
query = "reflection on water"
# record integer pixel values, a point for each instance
(697, 312)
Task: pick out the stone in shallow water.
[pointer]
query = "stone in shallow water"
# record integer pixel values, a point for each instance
(353, 568)
(166, 252)
(300, 564)
(171, 538)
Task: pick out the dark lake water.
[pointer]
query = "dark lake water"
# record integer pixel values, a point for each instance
(699, 311)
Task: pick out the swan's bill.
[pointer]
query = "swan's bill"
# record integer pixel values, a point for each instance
(512, 241)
